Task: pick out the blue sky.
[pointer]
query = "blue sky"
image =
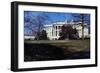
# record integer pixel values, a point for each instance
(49, 17)
(52, 16)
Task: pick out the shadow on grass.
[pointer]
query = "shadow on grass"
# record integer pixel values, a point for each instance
(46, 52)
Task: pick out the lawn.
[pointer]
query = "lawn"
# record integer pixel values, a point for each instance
(71, 45)
(56, 50)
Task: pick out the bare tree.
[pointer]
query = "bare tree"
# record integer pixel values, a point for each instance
(67, 32)
(29, 23)
(35, 23)
(82, 18)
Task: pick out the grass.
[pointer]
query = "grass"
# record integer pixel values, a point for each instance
(44, 50)
(66, 45)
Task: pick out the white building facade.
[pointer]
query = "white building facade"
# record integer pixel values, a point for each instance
(54, 29)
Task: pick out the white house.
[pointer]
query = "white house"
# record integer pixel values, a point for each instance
(53, 30)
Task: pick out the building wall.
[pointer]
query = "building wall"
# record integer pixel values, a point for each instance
(53, 30)
(29, 37)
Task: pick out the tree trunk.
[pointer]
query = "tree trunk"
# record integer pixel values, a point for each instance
(82, 27)
(82, 31)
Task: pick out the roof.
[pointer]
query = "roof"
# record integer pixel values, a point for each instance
(62, 23)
